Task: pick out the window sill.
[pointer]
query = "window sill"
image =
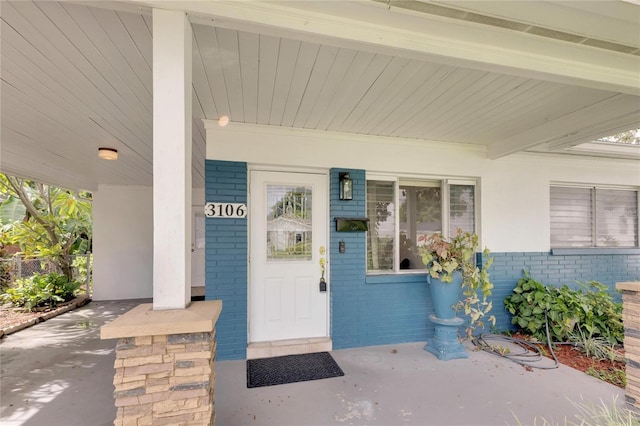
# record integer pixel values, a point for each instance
(397, 278)
(594, 251)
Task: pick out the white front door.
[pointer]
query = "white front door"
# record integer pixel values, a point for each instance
(288, 219)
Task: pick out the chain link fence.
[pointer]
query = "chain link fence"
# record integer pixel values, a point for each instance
(17, 267)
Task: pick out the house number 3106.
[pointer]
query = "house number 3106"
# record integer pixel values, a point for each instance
(231, 210)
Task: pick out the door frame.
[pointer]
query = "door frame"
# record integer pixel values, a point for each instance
(307, 171)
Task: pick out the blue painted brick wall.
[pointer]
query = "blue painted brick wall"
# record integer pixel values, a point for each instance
(369, 310)
(556, 270)
(226, 257)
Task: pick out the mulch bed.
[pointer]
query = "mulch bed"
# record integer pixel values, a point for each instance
(574, 358)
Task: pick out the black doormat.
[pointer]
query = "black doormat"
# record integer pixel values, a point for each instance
(291, 369)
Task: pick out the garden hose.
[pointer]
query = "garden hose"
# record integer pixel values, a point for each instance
(528, 355)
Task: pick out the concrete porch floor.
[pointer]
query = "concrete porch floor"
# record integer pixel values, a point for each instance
(60, 373)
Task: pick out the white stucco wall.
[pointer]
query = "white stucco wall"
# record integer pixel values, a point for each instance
(514, 190)
(122, 243)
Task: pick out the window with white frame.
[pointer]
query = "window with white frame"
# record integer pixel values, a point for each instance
(583, 217)
(404, 212)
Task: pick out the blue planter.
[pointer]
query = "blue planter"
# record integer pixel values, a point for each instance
(445, 295)
(444, 343)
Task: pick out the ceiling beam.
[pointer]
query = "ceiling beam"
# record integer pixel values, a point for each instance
(375, 27)
(579, 126)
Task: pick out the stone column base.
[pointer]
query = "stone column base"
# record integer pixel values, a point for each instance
(631, 320)
(164, 365)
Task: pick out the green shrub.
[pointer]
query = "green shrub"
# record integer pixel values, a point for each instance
(591, 307)
(616, 377)
(597, 347)
(40, 291)
(5, 275)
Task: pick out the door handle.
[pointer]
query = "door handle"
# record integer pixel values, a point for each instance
(323, 283)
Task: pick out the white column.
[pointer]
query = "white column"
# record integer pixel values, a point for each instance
(171, 160)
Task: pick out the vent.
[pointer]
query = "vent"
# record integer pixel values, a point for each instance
(433, 9)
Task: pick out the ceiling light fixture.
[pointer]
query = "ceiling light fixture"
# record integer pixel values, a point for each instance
(223, 121)
(108, 153)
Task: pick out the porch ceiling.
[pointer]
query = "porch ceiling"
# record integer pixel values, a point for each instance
(76, 77)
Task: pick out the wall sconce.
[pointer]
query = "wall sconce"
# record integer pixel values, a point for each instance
(108, 153)
(346, 187)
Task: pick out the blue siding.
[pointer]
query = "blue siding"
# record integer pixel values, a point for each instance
(367, 310)
(226, 257)
(556, 270)
(381, 310)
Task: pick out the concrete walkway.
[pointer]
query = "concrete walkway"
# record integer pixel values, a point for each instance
(60, 373)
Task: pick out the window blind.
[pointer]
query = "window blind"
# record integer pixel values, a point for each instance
(461, 208)
(571, 217)
(616, 218)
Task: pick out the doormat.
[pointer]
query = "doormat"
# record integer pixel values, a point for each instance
(291, 369)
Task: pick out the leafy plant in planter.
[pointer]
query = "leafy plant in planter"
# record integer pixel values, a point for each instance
(445, 257)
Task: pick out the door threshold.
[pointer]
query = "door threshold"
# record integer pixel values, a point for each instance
(288, 347)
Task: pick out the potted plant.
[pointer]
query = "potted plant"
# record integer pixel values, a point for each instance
(456, 283)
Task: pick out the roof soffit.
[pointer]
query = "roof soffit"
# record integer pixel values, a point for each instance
(374, 27)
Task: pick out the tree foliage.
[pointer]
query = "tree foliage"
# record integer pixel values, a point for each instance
(53, 222)
(630, 137)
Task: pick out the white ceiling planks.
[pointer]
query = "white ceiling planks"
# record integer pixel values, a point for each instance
(336, 75)
(411, 110)
(44, 97)
(454, 86)
(140, 31)
(305, 61)
(122, 87)
(394, 96)
(32, 65)
(210, 57)
(476, 106)
(249, 48)
(84, 80)
(268, 66)
(64, 64)
(324, 61)
(457, 102)
(75, 77)
(80, 73)
(548, 102)
(377, 93)
(227, 41)
(287, 58)
(124, 56)
(354, 89)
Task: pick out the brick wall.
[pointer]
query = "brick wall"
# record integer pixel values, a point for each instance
(369, 310)
(556, 270)
(226, 256)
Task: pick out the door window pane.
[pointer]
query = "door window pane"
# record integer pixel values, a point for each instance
(289, 235)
